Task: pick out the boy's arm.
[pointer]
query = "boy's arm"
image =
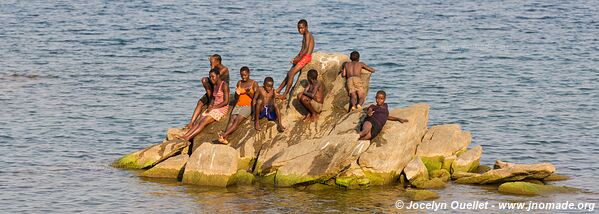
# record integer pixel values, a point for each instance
(344, 72)
(368, 68)
(392, 118)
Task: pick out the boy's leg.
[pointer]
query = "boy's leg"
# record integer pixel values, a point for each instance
(352, 100)
(366, 130)
(361, 98)
(280, 126)
(207, 86)
(303, 100)
(196, 112)
(257, 111)
(290, 76)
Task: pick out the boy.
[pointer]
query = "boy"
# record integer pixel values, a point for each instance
(264, 105)
(312, 97)
(304, 57)
(355, 87)
(376, 117)
(215, 63)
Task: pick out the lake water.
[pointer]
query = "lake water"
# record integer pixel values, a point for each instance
(84, 83)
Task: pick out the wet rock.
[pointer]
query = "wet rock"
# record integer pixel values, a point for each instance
(526, 188)
(435, 183)
(152, 155)
(440, 142)
(170, 168)
(500, 164)
(482, 169)
(353, 178)
(416, 170)
(468, 161)
(556, 177)
(212, 165)
(395, 146)
(242, 177)
(442, 174)
(515, 172)
(420, 195)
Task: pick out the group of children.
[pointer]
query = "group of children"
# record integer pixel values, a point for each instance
(260, 101)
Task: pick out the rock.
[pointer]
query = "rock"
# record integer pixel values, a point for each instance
(534, 181)
(482, 169)
(435, 183)
(447, 162)
(515, 172)
(459, 175)
(416, 170)
(500, 164)
(171, 133)
(242, 177)
(525, 188)
(468, 161)
(315, 161)
(170, 168)
(212, 165)
(353, 178)
(152, 155)
(440, 142)
(556, 177)
(442, 174)
(395, 146)
(420, 195)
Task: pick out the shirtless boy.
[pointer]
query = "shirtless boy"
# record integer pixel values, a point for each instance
(304, 57)
(264, 105)
(312, 97)
(215, 62)
(355, 87)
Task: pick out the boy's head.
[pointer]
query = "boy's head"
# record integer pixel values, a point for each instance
(244, 72)
(215, 59)
(354, 56)
(380, 97)
(312, 75)
(302, 26)
(214, 75)
(268, 84)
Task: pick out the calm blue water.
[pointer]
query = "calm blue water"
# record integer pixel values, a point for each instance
(84, 83)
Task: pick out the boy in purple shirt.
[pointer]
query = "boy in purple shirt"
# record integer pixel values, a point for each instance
(376, 118)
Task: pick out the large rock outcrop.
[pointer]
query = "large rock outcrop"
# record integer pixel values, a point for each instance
(327, 151)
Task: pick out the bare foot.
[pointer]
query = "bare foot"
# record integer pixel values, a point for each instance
(257, 125)
(281, 96)
(280, 128)
(222, 140)
(307, 118)
(353, 108)
(181, 138)
(359, 107)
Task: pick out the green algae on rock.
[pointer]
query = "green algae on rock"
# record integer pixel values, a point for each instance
(526, 188)
(151, 155)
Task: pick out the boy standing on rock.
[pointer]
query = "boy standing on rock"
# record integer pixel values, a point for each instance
(376, 117)
(264, 105)
(304, 57)
(355, 87)
(312, 97)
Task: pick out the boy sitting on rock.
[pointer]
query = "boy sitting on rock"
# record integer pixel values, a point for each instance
(312, 97)
(355, 87)
(376, 117)
(264, 105)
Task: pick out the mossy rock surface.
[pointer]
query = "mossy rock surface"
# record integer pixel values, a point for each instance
(420, 195)
(192, 177)
(556, 177)
(433, 163)
(243, 177)
(442, 174)
(379, 179)
(353, 182)
(526, 188)
(435, 183)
